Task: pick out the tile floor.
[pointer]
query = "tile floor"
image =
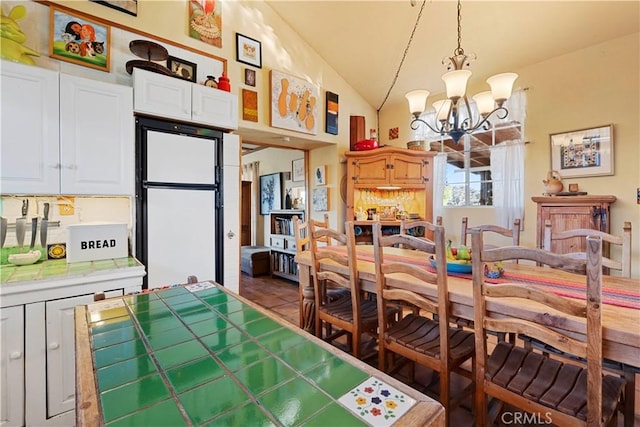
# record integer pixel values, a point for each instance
(281, 296)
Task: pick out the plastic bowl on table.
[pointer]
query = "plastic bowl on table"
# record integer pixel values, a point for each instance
(454, 267)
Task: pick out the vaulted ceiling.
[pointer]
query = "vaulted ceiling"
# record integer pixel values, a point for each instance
(364, 41)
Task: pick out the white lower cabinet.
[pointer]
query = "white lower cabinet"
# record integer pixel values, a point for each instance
(37, 338)
(12, 366)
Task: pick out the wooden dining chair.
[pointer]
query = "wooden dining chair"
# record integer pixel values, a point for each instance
(513, 232)
(352, 316)
(417, 336)
(575, 239)
(301, 234)
(578, 236)
(565, 394)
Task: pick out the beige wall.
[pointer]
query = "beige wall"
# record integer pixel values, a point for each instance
(591, 87)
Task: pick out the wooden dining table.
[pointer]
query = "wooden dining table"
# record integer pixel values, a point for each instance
(620, 311)
(199, 353)
(621, 325)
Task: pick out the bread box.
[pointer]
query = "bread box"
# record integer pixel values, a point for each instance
(96, 241)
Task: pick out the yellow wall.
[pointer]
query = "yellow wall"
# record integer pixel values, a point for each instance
(591, 87)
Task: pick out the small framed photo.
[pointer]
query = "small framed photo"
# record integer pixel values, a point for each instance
(297, 170)
(76, 38)
(583, 152)
(249, 77)
(319, 175)
(248, 51)
(182, 69)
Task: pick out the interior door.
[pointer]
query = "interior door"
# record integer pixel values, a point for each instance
(245, 214)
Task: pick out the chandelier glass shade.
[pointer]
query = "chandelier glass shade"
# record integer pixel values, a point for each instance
(449, 121)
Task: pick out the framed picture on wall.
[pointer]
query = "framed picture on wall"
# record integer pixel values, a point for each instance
(182, 69)
(331, 113)
(270, 193)
(76, 38)
(583, 152)
(320, 175)
(320, 200)
(294, 103)
(297, 170)
(248, 51)
(126, 6)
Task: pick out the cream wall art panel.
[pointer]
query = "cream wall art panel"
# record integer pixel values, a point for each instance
(294, 103)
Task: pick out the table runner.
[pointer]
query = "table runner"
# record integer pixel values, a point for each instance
(571, 289)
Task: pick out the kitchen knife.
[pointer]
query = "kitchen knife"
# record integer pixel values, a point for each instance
(34, 230)
(43, 227)
(20, 224)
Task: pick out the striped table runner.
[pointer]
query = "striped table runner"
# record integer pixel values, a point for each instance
(571, 289)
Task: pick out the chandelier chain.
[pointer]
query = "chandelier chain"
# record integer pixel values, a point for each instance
(459, 50)
(404, 56)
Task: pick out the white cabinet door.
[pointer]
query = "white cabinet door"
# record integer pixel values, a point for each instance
(97, 145)
(30, 130)
(61, 353)
(231, 199)
(161, 95)
(12, 366)
(214, 107)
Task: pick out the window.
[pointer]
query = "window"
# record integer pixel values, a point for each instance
(468, 180)
(467, 176)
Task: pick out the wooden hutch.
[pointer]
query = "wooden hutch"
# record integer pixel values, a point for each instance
(390, 180)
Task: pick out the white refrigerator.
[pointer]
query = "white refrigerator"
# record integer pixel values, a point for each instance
(179, 202)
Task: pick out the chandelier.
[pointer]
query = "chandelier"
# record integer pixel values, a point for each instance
(448, 120)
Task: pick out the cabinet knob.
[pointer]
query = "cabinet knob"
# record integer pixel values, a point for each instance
(54, 346)
(15, 355)
(230, 234)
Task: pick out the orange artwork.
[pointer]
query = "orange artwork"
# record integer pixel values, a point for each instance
(293, 103)
(249, 105)
(205, 21)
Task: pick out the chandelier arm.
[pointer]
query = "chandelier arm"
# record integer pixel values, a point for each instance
(414, 125)
(486, 117)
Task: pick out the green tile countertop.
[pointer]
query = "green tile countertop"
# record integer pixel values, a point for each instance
(201, 355)
(56, 269)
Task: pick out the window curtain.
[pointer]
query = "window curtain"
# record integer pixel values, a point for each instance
(439, 181)
(251, 172)
(507, 175)
(507, 167)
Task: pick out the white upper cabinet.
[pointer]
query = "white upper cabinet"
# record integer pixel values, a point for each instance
(214, 106)
(169, 97)
(97, 149)
(30, 149)
(65, 135)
